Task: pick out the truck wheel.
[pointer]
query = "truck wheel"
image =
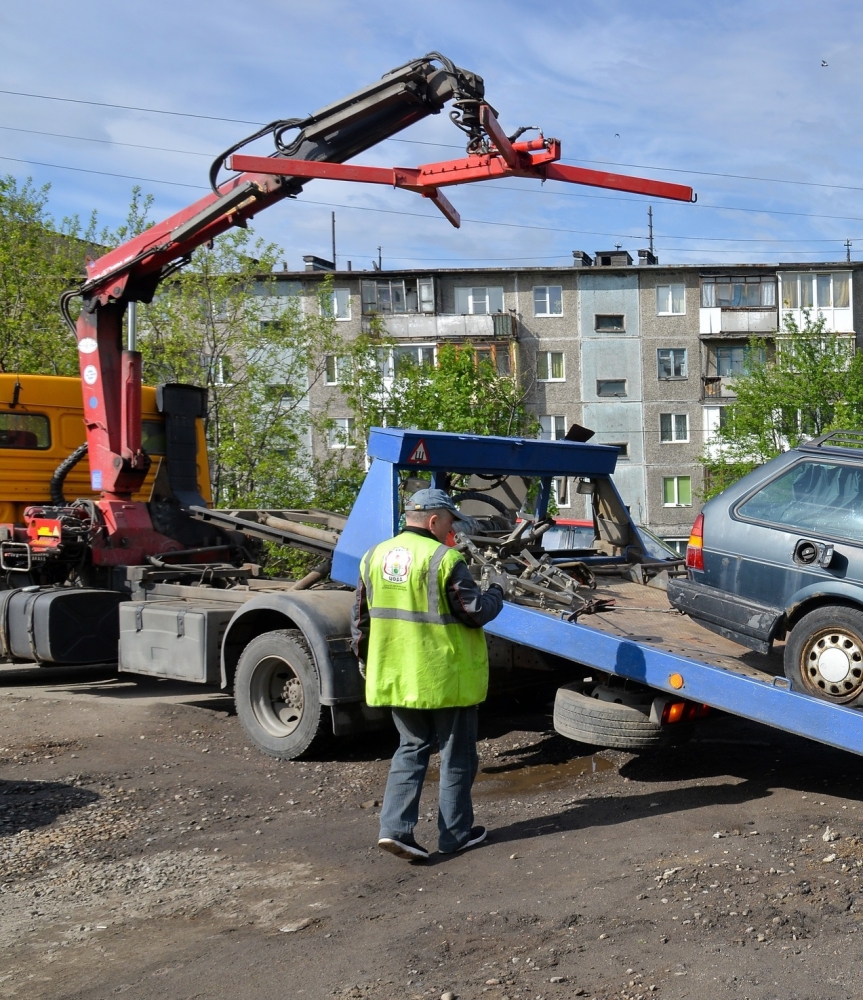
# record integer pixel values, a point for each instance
(277, 697)
(824, 655)
(610, 724)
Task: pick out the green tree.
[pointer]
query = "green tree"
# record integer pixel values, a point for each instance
(219, 323)
(38, 260)
(811, 383)
(463, 393)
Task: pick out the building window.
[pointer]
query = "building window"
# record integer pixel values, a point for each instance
(815, 291)
(671, 362)
(560, 491)
(338, 304)
(677, 491)
(552, 428)
(609, 323)
(425, 295)
(548, 300)
(497, 354)
(673, 427)
(736, 360)
(549, 366)
(335, 369)
(678, 545)
(341, 434)
(478, 301)
(742, 292)
(670, 300)
(622, 448)
(611, 387)
(414, 354)
(398, 296)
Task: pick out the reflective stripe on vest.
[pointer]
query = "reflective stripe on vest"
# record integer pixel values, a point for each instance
(430, 617)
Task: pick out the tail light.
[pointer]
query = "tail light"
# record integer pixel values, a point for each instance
(682, 711)
(695, 548)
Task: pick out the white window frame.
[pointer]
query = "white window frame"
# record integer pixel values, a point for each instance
(549, 367)
(676, 481)
(334, 363)
(482, 299)
(674, 439)
(552, 427)
(672, 350)
(546, 294)
(341, 433)
(666, 308)
(562, 484)
(339, 305)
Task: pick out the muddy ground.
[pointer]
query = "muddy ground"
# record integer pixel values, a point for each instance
(145, 850)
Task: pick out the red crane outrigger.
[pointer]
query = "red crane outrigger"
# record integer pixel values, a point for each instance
(111, 376)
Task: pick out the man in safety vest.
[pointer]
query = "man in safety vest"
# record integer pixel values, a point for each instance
(418, 628)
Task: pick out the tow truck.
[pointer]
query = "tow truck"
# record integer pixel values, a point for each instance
(171, 584)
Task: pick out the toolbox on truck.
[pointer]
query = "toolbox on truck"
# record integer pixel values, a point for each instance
(63, 626)
(173, 639)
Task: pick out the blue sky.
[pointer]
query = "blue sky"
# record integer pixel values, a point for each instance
(729, 97)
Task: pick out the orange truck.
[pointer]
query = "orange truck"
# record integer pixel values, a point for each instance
(42, 424)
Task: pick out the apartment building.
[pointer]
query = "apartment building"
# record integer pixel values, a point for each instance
(641, 353)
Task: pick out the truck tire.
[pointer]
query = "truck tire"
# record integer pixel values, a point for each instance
(598, 723)
(277, 696)
(824, 655)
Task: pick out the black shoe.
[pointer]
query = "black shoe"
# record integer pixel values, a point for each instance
(477, 836)
(403, 847)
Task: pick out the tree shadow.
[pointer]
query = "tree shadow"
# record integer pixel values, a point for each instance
(28, 805)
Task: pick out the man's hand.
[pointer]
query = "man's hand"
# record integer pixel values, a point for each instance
(494, 578)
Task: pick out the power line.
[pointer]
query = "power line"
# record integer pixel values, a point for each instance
(420, 215)
(129, 107)
(107, 142)
(418, 142)
(496, 187)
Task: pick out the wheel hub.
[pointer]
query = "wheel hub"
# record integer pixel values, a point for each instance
(833, 664)
(277, 698)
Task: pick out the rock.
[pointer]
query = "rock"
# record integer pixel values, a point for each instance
(370, 804)
(557, 979)
(718, 835)
(299, 925)
(449, 995)
(828, 859)
(514, 857)
(492, 982)
(829, 836)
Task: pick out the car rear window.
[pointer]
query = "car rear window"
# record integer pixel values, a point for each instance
(25, 430)
(820, 497)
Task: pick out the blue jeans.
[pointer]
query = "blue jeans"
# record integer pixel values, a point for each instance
(455, 729)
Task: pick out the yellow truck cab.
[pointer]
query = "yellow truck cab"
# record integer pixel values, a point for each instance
(42, 423)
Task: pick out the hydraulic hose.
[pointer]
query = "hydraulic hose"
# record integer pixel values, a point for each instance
(60, 473)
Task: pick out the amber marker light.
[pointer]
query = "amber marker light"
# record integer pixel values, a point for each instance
(676, 681)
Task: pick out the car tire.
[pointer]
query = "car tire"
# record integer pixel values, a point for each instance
(277, 696)
(824, 655)
(586, 719)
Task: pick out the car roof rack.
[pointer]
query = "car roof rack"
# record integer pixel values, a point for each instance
(844, 442)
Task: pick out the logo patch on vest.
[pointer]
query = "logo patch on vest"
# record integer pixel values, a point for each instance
(397, 565)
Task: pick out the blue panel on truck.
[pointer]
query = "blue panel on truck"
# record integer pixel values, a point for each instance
(468, 453)
(374, 518)
(748, 697)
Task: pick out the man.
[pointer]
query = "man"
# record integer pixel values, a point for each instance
(418, 628)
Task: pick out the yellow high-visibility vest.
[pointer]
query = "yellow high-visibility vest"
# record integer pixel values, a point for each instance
(419, 655)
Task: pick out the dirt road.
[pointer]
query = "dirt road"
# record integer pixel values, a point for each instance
(145, 850)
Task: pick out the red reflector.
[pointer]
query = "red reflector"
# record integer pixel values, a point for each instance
(695, 548)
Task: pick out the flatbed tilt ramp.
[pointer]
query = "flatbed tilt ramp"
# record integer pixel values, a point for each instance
(641, 639)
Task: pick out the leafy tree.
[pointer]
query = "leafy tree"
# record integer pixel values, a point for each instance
(38, 260)
(462, 392)
(220, 324)
(811, 383)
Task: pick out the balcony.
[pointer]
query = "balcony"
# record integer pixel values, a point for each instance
(718, 320)
(416, 326)
(716, 387)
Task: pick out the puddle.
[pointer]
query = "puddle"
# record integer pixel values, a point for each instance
(507, 779)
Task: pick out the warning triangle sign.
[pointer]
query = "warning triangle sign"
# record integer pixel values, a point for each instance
(420, 455)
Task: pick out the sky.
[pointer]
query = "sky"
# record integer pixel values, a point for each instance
(754, 104)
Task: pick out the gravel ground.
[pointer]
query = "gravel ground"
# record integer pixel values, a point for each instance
(146, 850)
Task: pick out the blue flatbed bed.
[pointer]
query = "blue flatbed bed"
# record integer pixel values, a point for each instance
(641, 639)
